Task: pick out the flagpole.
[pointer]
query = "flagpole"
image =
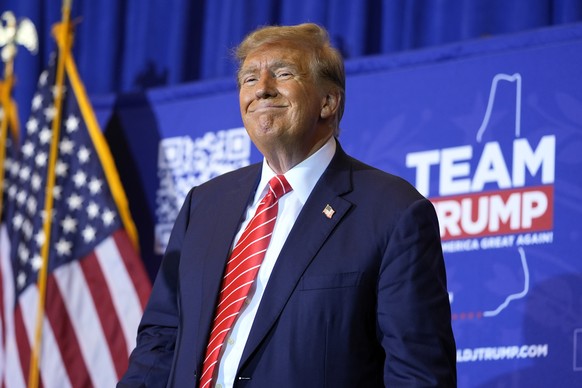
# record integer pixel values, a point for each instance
(8, 121)
(63, 38)
(5, 94)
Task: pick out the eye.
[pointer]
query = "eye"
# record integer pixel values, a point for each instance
(284, 74)
(249, 80)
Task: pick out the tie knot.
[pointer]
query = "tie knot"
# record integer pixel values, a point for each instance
(279, 186)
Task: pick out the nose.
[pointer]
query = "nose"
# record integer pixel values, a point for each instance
(266, 86)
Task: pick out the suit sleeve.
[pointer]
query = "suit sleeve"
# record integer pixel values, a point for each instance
(151, 360)
(413, 307)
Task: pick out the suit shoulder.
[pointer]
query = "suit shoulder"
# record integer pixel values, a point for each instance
(383, 184)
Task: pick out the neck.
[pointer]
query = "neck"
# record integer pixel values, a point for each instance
(284, 159)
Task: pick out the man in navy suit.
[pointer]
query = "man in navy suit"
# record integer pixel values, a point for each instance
(352, 288)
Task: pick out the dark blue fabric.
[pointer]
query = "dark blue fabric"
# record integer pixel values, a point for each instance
(128, 46)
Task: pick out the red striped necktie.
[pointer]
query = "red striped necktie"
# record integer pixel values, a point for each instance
(241, 271)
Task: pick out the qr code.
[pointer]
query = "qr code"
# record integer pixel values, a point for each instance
(184, 162)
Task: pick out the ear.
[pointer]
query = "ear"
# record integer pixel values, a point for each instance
(330, 104)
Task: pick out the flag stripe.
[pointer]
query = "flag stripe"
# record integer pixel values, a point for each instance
(119, 282)
(21, 336)
(63, 329)
(134, 267)
(52, 367)
(84, 319)
(106, 312)
(12, 376)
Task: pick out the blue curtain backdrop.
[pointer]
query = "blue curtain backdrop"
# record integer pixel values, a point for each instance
(132, 45)
(421, 77)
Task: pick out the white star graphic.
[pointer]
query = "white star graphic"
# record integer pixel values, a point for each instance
(36, 262)
(28, 149)
(69, 224)
(72, 123)
(75, 202)
(39, 238)
(12, 190)
(66, 146)
(61, 168)
(88, 234)
(17, 221)
(93, 210)
(83, 154)
(31, 205)
(14, 168)
(57, 192)
(80, 178)
(45, 135)
(108, 217)
(63, 247)
(21, 279)
(31, 125)
(36, 102)
(35, 182)
(21, 197)
(50, 113)
(95, 186)
(24, 173)
(43, 78)
(23, 253)
(27, 229)
(41, 159)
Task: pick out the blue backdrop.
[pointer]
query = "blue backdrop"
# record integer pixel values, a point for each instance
(132, 45)
(489, 129)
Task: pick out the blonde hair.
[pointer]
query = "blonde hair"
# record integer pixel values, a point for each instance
(326, 64)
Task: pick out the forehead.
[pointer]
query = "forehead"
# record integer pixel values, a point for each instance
(280, 54)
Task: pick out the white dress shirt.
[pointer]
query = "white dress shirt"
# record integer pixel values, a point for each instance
(302, 179)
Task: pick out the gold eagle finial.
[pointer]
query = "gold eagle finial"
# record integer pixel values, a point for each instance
(13, 33)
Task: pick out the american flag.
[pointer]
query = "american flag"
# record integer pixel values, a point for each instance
(96, 285)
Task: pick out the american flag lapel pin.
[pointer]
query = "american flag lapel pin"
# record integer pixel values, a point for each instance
(328, 211)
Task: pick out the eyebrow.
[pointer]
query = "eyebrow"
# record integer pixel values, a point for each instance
(273, 65)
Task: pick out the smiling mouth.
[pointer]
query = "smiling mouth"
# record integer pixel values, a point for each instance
(266, 108)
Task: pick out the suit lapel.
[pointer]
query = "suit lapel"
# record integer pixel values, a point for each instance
(230, 214)
(311, 230)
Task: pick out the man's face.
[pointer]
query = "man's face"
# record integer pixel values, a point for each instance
(281, 102)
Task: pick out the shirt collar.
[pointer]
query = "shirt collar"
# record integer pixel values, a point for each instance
(303, 176)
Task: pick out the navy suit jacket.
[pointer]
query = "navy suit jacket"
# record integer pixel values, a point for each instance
(355, 300)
